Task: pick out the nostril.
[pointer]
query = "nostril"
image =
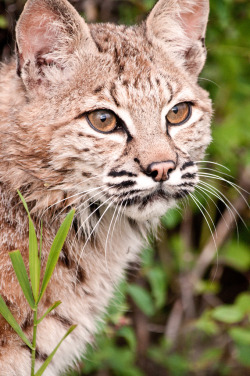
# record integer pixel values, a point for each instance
(159, 171)
(153, 174)
(170, 170)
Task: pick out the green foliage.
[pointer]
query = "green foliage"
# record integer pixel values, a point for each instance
(3, 22)
(5, 312)
(30, 287)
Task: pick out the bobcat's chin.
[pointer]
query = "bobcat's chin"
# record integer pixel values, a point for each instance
(151, 211)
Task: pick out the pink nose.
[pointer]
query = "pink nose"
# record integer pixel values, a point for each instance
(160, 170)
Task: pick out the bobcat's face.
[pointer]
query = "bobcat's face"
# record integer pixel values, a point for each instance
(125, 120)
(140, 123)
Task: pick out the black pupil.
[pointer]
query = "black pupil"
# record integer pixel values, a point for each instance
(103, 118)
(175, 109)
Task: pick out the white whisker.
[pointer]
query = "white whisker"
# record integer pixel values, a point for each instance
(86, 242)
(218, 164)
(235, 186)
(198, 205)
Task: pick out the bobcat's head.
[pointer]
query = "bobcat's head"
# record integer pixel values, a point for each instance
(113, 112)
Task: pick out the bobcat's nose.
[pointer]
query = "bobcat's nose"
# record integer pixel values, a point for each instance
(160, 171)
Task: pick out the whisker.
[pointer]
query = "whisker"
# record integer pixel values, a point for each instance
(109, 228)
(80, 211)
(103, 191)
(212, 169)
(198, 205)
(106, 242)
(207, 213)
(77, 194)
(225, 201)
(203, 190)
(218, 164)
(207, 79)
(235, 186)
(86, 242)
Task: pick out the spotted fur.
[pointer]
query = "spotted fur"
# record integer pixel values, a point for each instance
(63, 69)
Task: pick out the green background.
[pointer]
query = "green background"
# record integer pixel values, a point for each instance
(160, 323)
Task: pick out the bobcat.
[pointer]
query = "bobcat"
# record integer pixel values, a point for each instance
(107, 119)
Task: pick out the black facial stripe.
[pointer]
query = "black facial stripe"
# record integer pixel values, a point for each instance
(124, 184)
(120, 196)
(186, 185)
(121, 173)
(181, 194)
(94, 208)
(187, 164)
(143, 202)
(188, 176)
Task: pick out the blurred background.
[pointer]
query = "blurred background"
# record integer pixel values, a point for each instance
(186, 310)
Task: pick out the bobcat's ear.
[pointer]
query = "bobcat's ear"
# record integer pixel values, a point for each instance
(48, 34)
(179, 27)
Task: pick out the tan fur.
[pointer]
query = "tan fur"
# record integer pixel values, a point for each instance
(65, 69)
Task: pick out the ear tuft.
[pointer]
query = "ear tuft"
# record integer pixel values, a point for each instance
(179, 27)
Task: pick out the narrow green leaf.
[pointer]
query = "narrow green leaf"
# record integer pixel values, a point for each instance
(22, 276)
(41, 241)
(55, 250)
(5, 312)
(23, 201)
(34, 261)
(56, 304)
(48, 360)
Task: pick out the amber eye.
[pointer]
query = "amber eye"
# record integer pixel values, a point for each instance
(179, 113)
(102, 120)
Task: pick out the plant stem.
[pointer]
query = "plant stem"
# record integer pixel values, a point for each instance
(33, 353)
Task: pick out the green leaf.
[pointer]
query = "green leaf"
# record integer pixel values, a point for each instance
(22, 276)
(23, 201)
(142, 299)
(243, 302)
(48, 360)
(240, 335)
(242, 353)
(3, 22)
(171, 219)
(206, 324)
(158, 282)
(34, 261)
(236, 255)
(56, 304)
(41, 241)
(55, 250)
(129, 335)
(229, 314)
(5, 312)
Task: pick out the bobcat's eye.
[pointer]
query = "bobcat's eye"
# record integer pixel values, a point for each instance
(102, 120)
(179, 113)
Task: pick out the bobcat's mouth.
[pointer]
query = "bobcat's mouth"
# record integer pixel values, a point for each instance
(144, 198)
